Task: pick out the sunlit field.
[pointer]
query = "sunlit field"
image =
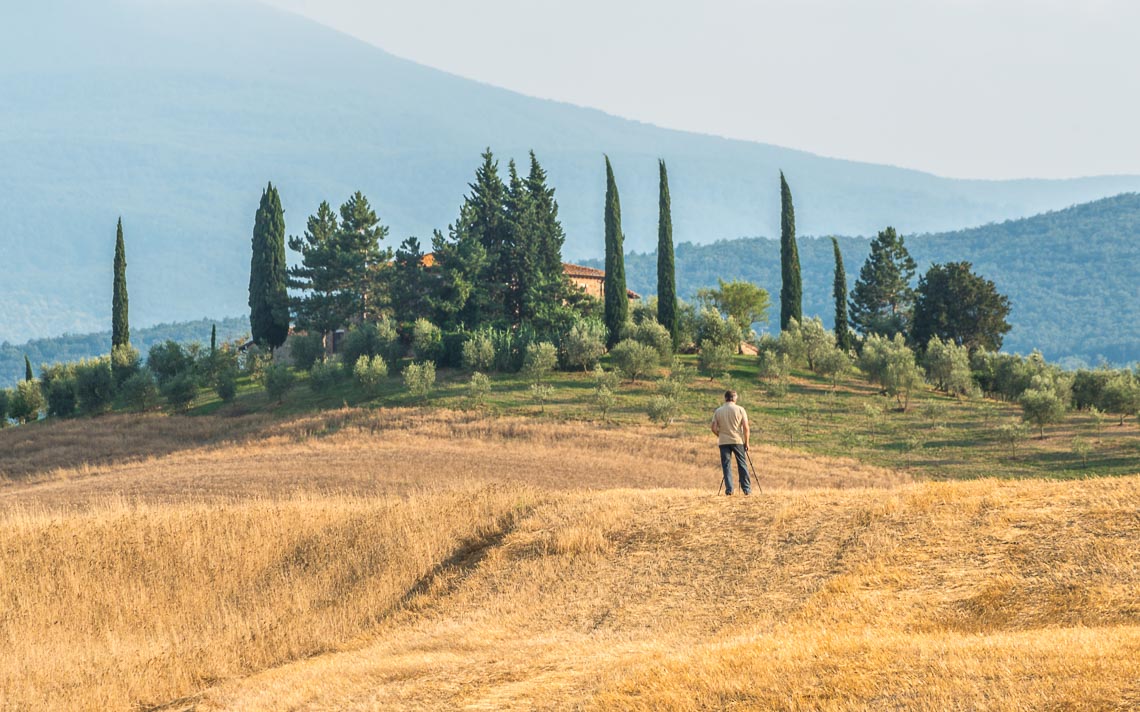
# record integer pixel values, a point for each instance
(406, 559)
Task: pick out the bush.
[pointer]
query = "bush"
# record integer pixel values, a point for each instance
(125, 363)
(540, 360)
(478, 388)
(168, 360)
(323, 376)
(715, 358)
(225, 384)
(61, 396)
(94, 385)
(370, 373)
(585, 344)
(633, 359)
(833, 363)
(662, 410)
(180, 391)
(604, 399)
(540, 393)
(26, 402)
(890, 363)
(419, 378)
(306, 350)
(371, 339)
(427, 340)
(451, 355)
(1042, 404)
(253, 362)
(602, 377)
(712, 328)
(140, 391)
(948, 366)
(278, 381)
(652, 334)
(478, 352)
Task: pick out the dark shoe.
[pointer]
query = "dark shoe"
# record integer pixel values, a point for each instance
(747, 494)
(727, 494)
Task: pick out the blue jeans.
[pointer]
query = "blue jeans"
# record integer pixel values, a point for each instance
(726, 453)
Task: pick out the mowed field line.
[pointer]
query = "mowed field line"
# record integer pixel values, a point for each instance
(365, 452)
(936, 596)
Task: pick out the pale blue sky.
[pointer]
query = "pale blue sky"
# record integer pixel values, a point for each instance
(966, 88)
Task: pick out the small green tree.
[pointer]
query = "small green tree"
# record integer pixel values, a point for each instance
(180, 391)
(419, 379)
(427, 340)
(539, 362)
(715, 358)
(370, 372)
(662, 410)
(306, 349)
(26, 402)
(540, 393)
(478, 352)
(5, 397)
(891, 364)
(28, 375)
(61, 396)
(125, 362)
(948, 367)
(604, 400)
(140, 391)
(585, 344)
(323, 376)
(744, 302)
(371, 339)
(478, 388)
(278, 381)
(1121, 395)
(844, 339)
(1042, 404)
(634, 360)
(94, 385)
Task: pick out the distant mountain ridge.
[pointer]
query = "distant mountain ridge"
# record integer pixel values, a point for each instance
(1071, 274)
(175, 114)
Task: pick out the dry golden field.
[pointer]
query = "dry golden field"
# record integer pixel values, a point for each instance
(374, 560)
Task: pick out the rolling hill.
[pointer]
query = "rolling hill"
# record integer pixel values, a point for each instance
(174, 114)
(1070, 274)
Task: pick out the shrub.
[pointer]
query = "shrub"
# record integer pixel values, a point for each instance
(370, 372)
(712, 328)
(1012, 434)
(323, 376)
(180, 391)
(478, 388)
(140, 391)
(634, 359)
(125, 363)
(478, 352)
(94, 385)
(602, 377)
(278, 381)
(427, 340)
(585, 344)
(371, 339)
(61, 396)
(662, 410)
(168, 360)
(306, 350)
(833, 363)
(540, 360)
(604, 399)
(225, 384)
(652, 334)
(25, 402)
(715, 358)
(419, 378)
(540, 393)
(451, 348)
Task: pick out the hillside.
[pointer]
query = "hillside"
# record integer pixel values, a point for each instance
(1070, 274)
(174, 115)
(224, 576)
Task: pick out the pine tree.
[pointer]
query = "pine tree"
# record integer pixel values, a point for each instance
(791, 292)
(120, 324)
(882, 297)
(324, 303)
(843, 338)
(666, 270)
(268, 295)
(409, 281)
(520, 256)
(365, 265)
(28, 375)
(616, 300)
(486, 221)
(550, 237)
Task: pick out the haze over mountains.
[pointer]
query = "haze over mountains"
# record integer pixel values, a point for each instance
(174, 114)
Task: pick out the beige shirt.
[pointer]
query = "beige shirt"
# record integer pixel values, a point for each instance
(730, 420)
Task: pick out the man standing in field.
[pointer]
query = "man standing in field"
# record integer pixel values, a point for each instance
(730, 424)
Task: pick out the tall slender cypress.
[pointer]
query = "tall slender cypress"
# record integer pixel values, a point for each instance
(616, 301)
(666, 271)
(120, 323)
(268, 295)
(791, 292)
(28, 375)
(213, 339)
(839, 291)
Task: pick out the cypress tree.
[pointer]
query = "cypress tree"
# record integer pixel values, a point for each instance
(120, 324)
(521, 255)
(549, 241)
(268, 295)
(616, 301)
(839, 291)
(213, 339)
(666, 271)
(791, 292)
(28, 375)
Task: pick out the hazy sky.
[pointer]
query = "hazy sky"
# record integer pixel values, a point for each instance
(966, 88)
